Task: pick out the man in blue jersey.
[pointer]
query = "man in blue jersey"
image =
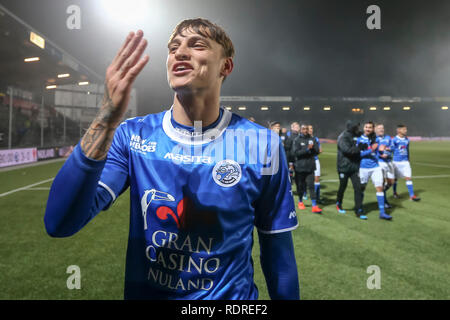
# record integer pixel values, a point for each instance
(200, 179)
(370, 169)
(317, 171)
(402, 166)
(385, 159)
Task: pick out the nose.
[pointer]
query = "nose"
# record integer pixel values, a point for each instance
(182, 52)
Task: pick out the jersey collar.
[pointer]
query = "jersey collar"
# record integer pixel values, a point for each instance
(182, 136)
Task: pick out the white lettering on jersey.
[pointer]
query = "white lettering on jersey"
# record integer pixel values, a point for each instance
(137, 144)
(185, 158)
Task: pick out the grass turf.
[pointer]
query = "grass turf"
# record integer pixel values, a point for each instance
(333, 250)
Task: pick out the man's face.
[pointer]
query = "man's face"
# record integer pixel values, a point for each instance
(195, 62)
(379, 130)
(304, 130)
(276, 128)
(311, 130)
(295, 127)
(403, 131)
(368, 128)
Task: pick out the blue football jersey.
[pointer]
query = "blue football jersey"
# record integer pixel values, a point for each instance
(195, 198)
(316, 157)
(369, 160)
(401, 148)
(385, 141)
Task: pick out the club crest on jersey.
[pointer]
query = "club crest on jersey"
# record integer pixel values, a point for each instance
(227, 173)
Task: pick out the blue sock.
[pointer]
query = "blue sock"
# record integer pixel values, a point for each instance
(394, 187)
(409, 185)
(317, 189)
(314, 202)
(380, 199)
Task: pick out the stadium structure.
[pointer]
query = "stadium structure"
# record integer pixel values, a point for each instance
(47, 97)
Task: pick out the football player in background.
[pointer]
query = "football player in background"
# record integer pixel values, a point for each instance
(370, 169)
(402, 166)
(317, 171)
(385, 159)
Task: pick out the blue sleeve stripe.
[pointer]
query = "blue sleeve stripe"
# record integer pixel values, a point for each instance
(279, 230)
(111, 192)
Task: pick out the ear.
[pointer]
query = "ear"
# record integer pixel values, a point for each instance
(227, 67)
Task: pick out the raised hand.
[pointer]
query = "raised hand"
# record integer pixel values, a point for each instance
(120, 76)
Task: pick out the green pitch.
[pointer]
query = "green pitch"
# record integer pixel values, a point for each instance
(333, 250)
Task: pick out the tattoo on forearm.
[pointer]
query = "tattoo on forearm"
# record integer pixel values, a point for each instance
(98, 138)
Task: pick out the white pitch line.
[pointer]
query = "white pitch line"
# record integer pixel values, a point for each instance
(26, 187)
(431, 165)
(38, 188)
(413, 177)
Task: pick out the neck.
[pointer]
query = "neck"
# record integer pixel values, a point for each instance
(189, 107)
(401, 135)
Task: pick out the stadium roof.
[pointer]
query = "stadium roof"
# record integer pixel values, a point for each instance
(15, 36)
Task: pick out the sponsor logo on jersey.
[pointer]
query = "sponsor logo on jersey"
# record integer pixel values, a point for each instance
(227, 173)
(155, 195)
(137, 144)
(186, 158)
(181, 251)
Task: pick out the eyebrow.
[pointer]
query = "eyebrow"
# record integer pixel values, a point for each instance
(191, 38)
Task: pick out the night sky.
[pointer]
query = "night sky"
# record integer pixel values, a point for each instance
(294, 48)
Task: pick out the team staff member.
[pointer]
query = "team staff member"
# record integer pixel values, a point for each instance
(304, 149)
(191, 222)
(288, 143)
(348, 160)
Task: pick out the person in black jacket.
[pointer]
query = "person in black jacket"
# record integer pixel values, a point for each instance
(348, 160)
(303, 150)
(288, 143)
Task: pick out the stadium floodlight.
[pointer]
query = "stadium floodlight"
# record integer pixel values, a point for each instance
(306, 108)
(387, 108)
(444, 108)
(327, 108)
(228, 107)
(372, 108)
(53, 86)
(406, 108)
(64, 75)
(242, 108)
(264, 108)
(31, 59)
(286, 108)
(37, 40)
(83, 83)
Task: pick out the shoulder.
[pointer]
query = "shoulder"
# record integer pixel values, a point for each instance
(131, 125)
(239, 122)
(242, 127)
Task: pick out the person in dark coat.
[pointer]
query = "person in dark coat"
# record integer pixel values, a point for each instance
(288, 143)
(304, 149)
(348, 160)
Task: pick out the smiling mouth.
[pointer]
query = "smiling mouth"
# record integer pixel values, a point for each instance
(182, 68)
